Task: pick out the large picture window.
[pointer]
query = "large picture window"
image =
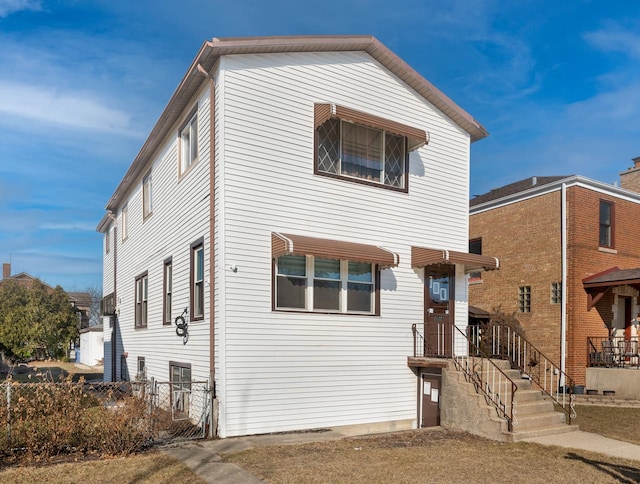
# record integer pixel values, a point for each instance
(355, 151)
(362, 147)
(309, 283)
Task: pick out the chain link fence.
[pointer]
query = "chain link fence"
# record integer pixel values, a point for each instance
(47, 418)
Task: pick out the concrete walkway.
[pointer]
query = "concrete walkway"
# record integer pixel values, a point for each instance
(204, 456)
(591, 442)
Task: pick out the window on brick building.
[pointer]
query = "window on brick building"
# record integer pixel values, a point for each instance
(556, 292)
(524, 299)
(475, 247)
(606, 224)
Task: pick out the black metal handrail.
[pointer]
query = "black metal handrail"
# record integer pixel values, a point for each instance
(616, 351)
(504, 342)
(487, 378)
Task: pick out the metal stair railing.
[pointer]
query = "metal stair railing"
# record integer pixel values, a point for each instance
(487, 378)
(503, 342)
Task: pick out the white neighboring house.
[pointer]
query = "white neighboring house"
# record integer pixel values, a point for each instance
(291, 201)
(91, 350)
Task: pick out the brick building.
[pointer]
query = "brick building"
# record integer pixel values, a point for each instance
(569, 259)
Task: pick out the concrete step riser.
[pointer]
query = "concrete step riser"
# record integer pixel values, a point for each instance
(540, 420)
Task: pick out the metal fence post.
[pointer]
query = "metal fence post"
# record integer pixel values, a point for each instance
(7, 383)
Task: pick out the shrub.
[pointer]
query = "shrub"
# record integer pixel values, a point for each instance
(48, 419)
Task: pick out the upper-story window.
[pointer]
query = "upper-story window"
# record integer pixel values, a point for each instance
(475, 247)
(362, 147)
(606, 224)
(147, 195)
(125, 222)
(107, 240)
(189, 143)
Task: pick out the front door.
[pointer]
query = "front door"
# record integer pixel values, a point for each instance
(439, 317)
(430, 399)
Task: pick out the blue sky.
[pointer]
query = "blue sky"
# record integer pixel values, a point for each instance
(556, 84)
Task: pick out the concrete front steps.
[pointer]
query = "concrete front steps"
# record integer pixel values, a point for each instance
(534, 414)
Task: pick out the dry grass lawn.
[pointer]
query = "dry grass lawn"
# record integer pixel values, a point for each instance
(621, 423)
(431, 456)
(151, 467)
(421, 456)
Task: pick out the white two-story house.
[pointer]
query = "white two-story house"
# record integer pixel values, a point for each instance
(300, 203)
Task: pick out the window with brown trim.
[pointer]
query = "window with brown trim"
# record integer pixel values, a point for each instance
(180, 377)
(147, 196)
(107, 240)
(167, 290)
(124, 221)
(314, 284)
(361, 147)
(197, 280)
(189, 142)
(475, 247)
(142, 295)
(607, 218)
(141, 374)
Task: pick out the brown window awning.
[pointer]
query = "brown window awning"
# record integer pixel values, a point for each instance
(416, 138)
(287, 244)
(422, 256)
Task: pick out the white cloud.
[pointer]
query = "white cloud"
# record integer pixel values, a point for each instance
(7, 7)
(62, 107)
(615, 39)
(77, 226)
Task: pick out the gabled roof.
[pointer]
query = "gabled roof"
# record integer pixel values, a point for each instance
(613, 277)
(540, 185)
(513, 188)
(597, 285)
(26, 279)
(212, 50)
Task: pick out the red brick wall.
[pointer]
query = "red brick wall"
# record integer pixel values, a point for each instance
(526, 237)
(585, 258)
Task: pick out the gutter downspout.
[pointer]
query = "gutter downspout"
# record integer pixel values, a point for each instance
(563, 309)
(213, 423)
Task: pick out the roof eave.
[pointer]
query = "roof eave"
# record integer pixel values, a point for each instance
(210, 51)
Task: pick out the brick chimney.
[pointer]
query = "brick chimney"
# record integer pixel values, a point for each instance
(6, 270)
(630, 179)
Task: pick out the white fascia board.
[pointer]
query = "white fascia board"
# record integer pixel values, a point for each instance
(576, 180)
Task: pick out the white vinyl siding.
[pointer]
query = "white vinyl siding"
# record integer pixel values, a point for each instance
(180, 216)
(289, 370)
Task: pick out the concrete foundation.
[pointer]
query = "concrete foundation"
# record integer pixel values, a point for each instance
(625, 382)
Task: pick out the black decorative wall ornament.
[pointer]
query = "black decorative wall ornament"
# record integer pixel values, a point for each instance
(182, 327)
